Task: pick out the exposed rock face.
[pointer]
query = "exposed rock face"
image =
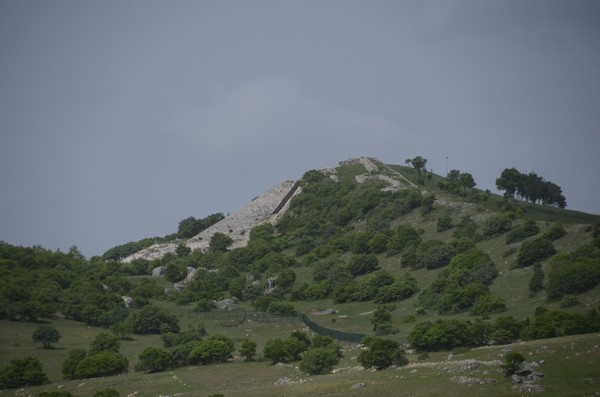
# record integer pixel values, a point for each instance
(158, 271)
(128, 301)
(226, 304)
(271, 285)
(376, 170)
(191, 275)
(266, 208)
(269, 207)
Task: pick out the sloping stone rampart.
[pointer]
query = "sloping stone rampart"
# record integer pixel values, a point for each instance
(266, 208)
(239, 224)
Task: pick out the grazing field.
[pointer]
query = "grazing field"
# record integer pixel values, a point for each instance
(570, 365)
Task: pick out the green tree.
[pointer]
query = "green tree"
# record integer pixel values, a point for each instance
(533, 251)
(219, 242)
(153, 320)
(363, 264)
(216, 349)
(276, 351)
(511, 181)
(105, 363)
(122, 330)
(21, 372)
(71, 362)
(318, 361)
(46, 335)
(381, 353)
(153, 359)
(418, 164)
(248, 349)
(466, 181)
(512, 362)
(105, 342)
(536, 283)
(382, 316)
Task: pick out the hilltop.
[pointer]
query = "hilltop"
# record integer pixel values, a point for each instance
(428, 262)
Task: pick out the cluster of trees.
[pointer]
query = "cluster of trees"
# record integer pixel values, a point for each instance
(26, 371)
(458, 182)
(530, 187)
(452, 333)
(102, 359)
(573, 273)
(381, 353)
(464, 284)
(189, 227)
(317, 356)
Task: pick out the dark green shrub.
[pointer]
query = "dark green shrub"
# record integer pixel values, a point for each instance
(554, 232)
(219, 242)
(363, 264)
(444, 223)
(488, 304)
(105, 363)
(534, 251)
(461, 283)
(283, 351)
(72, 361)
(497, 225)
(320, 360)
(381, 353)
(512, 362)
(104, 342)
(196, 334)
(573, 273)
(153, 359)
(404, 236)
(21, 372)
(536, 283)
(401, 289)
(448, 334)
(55, 393)
(153, 320)
(106, 393)
(216, 349)
(46, 334)
(466, 228)
(433, 254)
(248, 349)
(521, 232)
(569, 301)
(281, 309)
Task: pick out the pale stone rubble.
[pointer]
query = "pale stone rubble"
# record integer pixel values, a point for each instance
(237, 225)
(269, 207)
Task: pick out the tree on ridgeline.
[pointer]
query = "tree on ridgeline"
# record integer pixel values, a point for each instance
(530, 187)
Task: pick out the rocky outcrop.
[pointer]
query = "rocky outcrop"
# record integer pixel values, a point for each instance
(128, 301)
(159, 271)
(239, 224)
(191, 275)
(268, 207)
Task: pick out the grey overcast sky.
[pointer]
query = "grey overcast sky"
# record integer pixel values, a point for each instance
(120, 118)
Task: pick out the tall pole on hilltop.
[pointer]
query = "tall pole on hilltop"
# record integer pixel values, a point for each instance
(446, 166)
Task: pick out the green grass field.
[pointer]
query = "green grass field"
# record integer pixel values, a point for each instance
(571, 367)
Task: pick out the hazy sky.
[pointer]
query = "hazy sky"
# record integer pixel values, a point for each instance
(120, 118)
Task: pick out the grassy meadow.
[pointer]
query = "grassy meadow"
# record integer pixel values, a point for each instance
(571, 367)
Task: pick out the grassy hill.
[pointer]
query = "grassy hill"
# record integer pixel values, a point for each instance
(441, 251)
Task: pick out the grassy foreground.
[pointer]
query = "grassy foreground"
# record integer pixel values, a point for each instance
(571, 367)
